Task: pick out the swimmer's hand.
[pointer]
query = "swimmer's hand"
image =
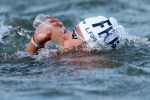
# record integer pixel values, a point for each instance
(55, 22)
(42, 38)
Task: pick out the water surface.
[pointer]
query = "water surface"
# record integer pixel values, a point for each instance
(121, 74)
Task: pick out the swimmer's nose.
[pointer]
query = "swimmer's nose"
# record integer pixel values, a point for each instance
(68, 35)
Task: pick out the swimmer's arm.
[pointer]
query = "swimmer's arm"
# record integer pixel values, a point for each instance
(31, 48)
(41, 38)
(38, 38)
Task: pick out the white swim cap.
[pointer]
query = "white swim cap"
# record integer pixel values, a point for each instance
(100, 31)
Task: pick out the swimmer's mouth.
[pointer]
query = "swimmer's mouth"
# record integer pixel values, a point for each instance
(61, 43)
(61, 40)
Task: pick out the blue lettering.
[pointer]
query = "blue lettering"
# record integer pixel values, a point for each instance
(102, 24)
(84, 22)
(114, 42)
(94, 39)
(91, 32)
(105, 31)
(92, 35)
(87, 30)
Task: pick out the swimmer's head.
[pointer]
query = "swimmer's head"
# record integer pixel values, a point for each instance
(100, 31)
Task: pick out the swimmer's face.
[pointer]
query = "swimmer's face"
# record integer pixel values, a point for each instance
(69, 42)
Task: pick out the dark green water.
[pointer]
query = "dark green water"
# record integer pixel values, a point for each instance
(124, 74)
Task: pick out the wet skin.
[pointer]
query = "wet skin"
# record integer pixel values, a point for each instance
(69, 42)
(66, 42)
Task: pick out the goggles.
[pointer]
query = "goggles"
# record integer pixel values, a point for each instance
(75, 35)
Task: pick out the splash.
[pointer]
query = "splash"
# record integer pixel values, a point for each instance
(123, 38)
(137, 40)
(42, 53)
(3, 30)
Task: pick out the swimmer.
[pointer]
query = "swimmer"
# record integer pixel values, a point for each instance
(98, 32)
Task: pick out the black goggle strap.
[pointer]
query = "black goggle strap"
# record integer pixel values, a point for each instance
(77, 36)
